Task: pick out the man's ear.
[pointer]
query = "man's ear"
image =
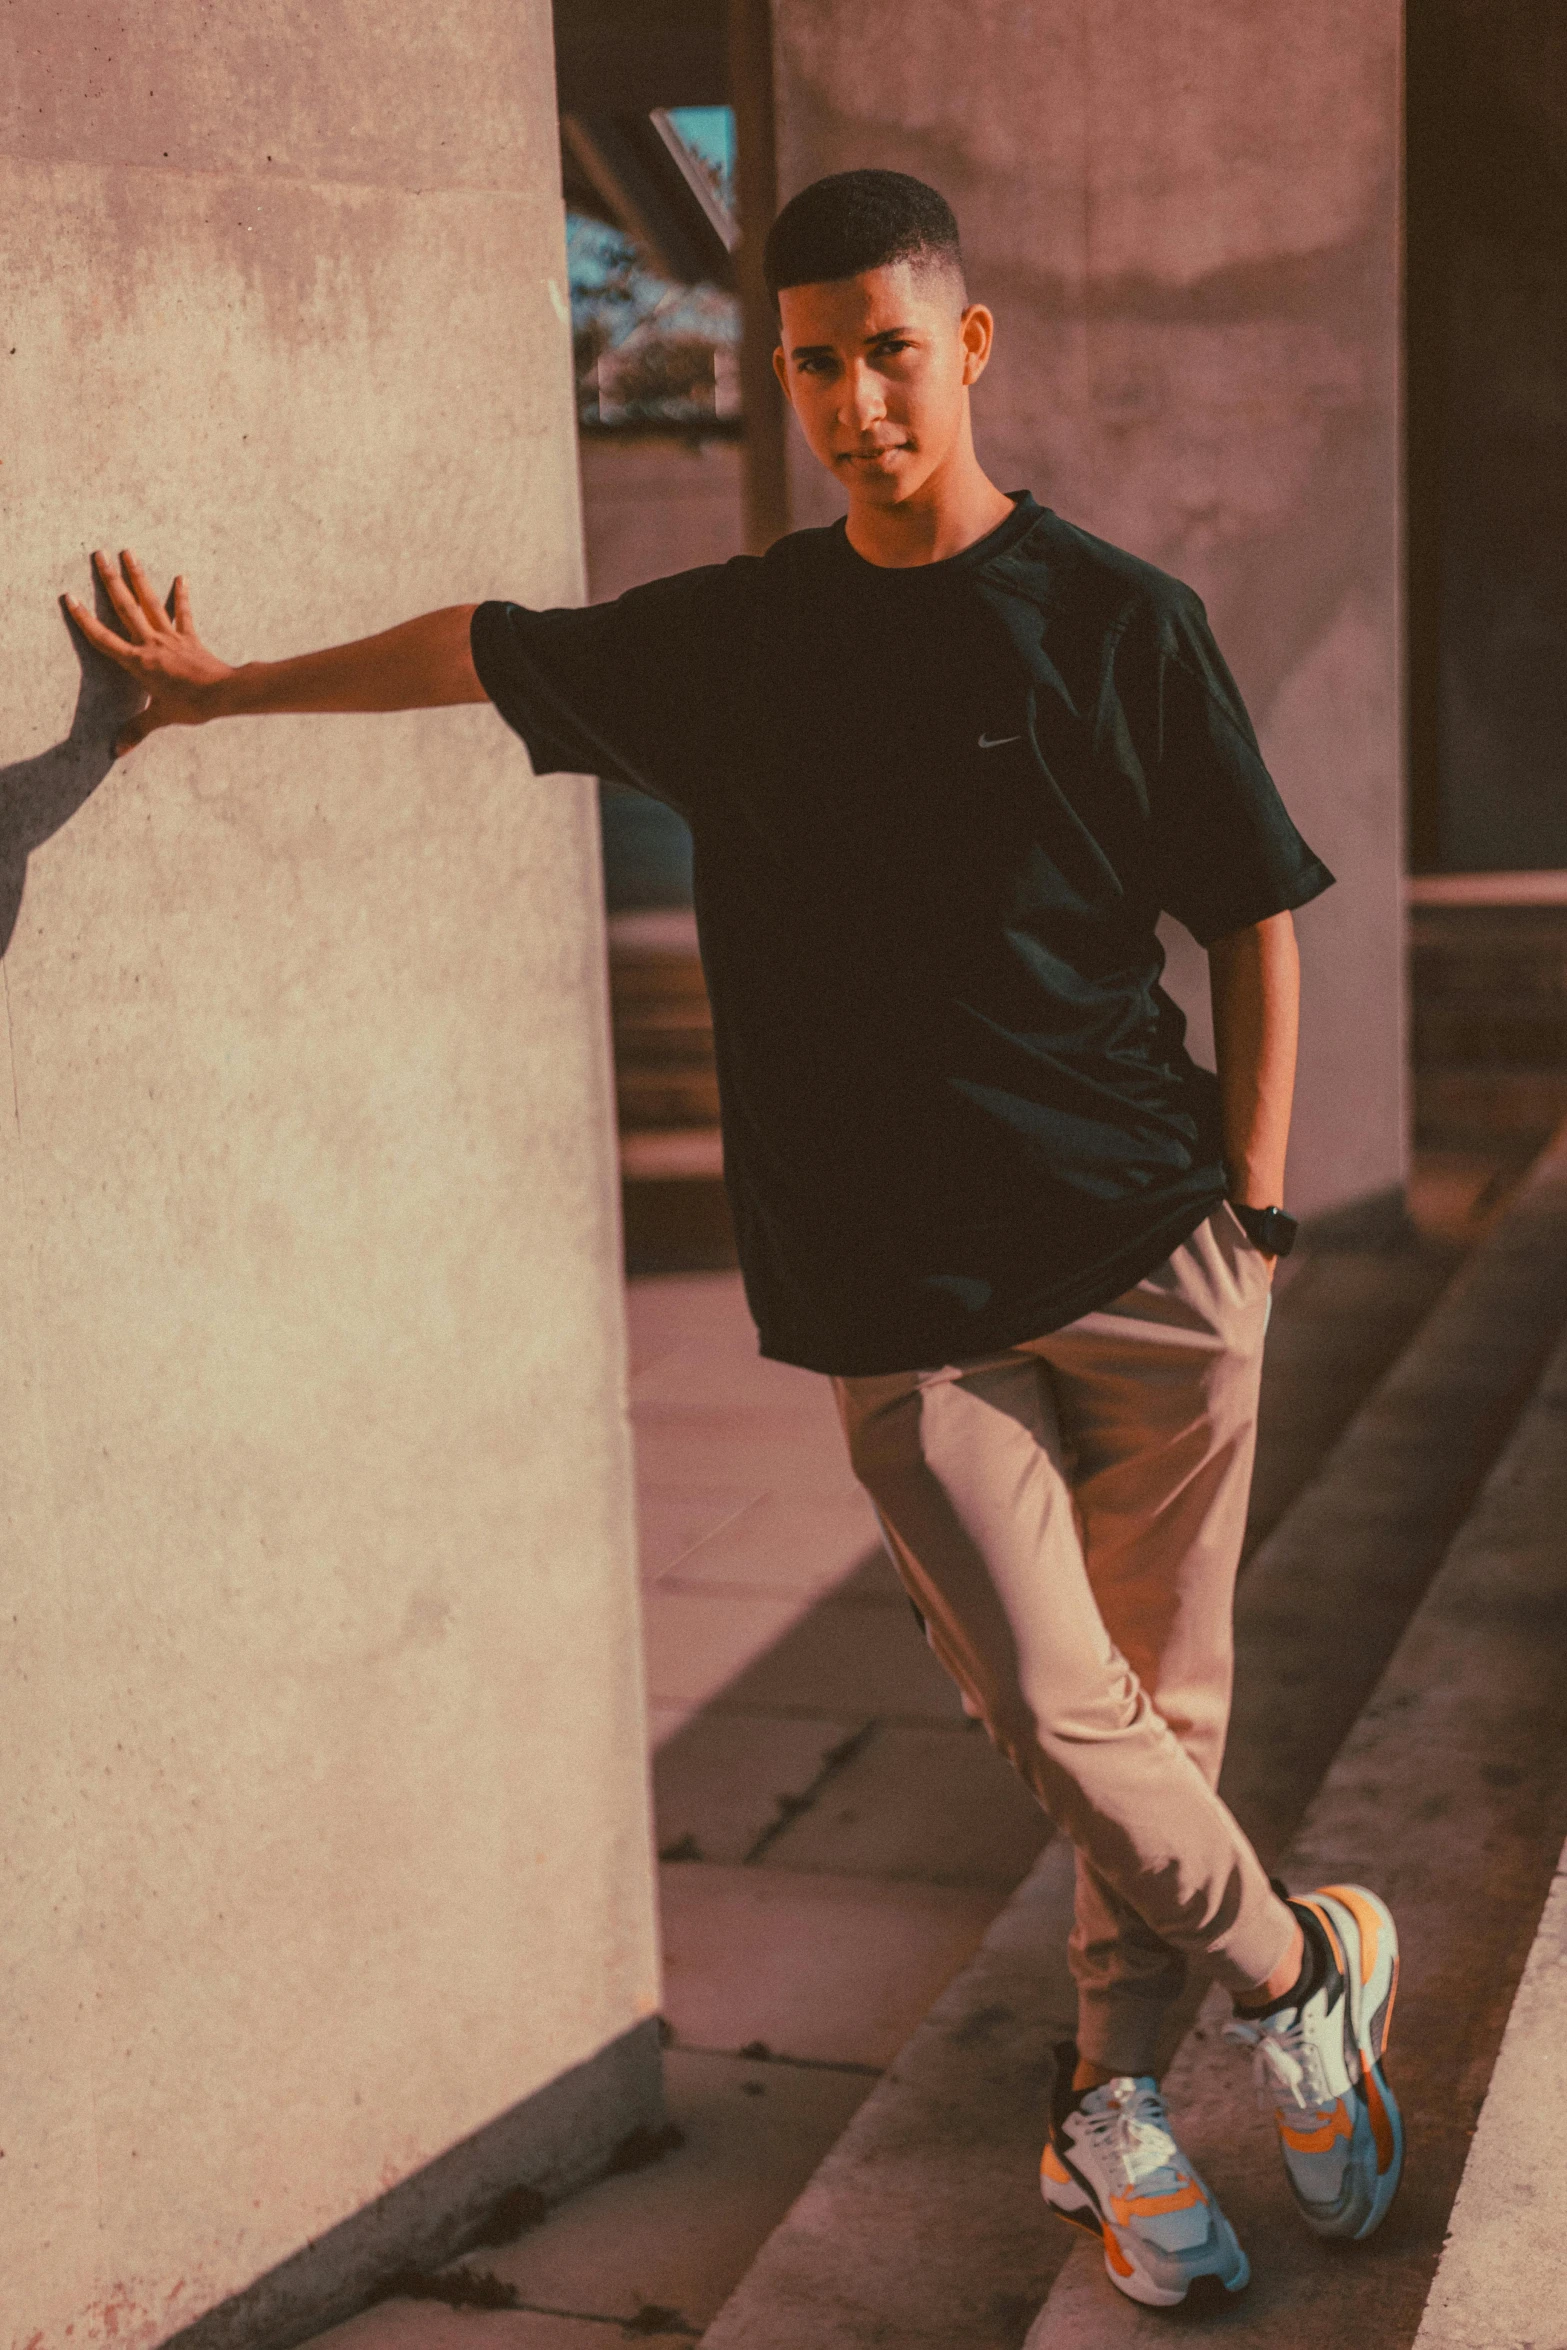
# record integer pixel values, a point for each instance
(977, 330)
(781, 368)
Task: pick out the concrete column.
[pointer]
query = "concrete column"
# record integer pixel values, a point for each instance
(765, 449)
(1186, 222)
(327, 1910)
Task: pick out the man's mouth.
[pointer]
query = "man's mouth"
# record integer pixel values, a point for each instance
(877, 456)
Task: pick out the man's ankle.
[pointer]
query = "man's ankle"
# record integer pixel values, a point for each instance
(1091, 2076)
(1285, 1975)
(1296, 1987)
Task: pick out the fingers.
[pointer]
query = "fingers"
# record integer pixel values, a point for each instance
(141, 588)
(127, 610)
(135, 606)
(127, 655)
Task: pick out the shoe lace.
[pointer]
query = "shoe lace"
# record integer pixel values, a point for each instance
(1130, 2126)
(1287, 2060)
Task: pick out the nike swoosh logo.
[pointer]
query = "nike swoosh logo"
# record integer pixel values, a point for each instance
(994, 742)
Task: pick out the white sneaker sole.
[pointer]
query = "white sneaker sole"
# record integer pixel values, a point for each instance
(1363, 1925)
(1068, 2202)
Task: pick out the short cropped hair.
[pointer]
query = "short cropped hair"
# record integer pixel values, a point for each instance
(856, 220)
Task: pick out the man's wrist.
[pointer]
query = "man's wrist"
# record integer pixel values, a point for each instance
(1268, 1228)
(1252, 1184)
(236, 693)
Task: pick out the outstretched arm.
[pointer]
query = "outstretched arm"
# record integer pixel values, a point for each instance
(1254, 976)
(424, 664)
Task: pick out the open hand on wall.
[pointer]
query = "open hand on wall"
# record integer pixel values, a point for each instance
(160, 650)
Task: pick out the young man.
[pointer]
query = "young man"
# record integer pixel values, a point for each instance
(945, 765)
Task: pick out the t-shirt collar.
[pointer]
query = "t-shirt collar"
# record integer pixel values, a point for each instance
(1026, 511)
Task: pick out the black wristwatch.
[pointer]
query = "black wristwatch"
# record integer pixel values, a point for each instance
(1269, 1229)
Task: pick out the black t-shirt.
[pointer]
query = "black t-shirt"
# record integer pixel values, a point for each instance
(936, 814)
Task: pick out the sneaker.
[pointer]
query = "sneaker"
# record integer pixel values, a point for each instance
(1319, 2058)
(1111, 2166)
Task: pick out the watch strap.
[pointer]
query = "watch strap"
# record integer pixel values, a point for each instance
(1269, 1229)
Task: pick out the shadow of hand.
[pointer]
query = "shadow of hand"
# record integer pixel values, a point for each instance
(38, 795)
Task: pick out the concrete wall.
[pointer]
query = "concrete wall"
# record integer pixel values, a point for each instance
(1186, 222)
(653, 503)
(326, 1837)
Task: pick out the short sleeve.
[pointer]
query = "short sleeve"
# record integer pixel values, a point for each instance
(636, 691)
(1226, 853)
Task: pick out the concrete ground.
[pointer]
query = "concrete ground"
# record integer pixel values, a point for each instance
(836, 1837)
(1500, 2271)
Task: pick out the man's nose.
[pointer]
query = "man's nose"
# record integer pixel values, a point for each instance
(864, 398)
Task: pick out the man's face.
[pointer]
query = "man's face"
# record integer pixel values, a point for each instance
(877, 369)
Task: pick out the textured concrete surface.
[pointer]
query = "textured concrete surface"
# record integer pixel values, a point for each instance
(832, 1968)
(912, 1801)
(1358, 1548)
(654, 503)
(724, 1782)
(327, 1829)
(539, 2149)
(746, 1508)
(1499, 2284)
(666, 2235)
(1187, 226)
(1350, 1309)
(923, 2227)
(1489, 998)
(423, 2325)
(651, 2250)
(1450, 1797)
(1355, 1300)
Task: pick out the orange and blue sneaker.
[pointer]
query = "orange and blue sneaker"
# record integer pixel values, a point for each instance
(1319, 2053)
(1112, 2166)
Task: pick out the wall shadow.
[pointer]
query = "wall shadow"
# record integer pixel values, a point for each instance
(604, 2114)
(40, 795)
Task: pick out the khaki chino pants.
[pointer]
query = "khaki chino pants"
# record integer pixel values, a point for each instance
(1067, 1516)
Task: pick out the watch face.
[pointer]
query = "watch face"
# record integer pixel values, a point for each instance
(1270, 1229)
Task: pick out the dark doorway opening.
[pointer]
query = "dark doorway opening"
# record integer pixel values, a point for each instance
(1487, 434)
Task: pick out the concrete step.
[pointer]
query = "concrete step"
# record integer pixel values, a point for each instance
(675, 1211)
(675, 1218)
(1512, 1030)
(1455, 1106)
(665, 1077)
(663, 1034)
(654, 961)
(1488, 995)
(1499, 2285)
(1333, 1586)
(658, 1099)
(1450, 1798)
(922, 2228)
(680, 1154)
